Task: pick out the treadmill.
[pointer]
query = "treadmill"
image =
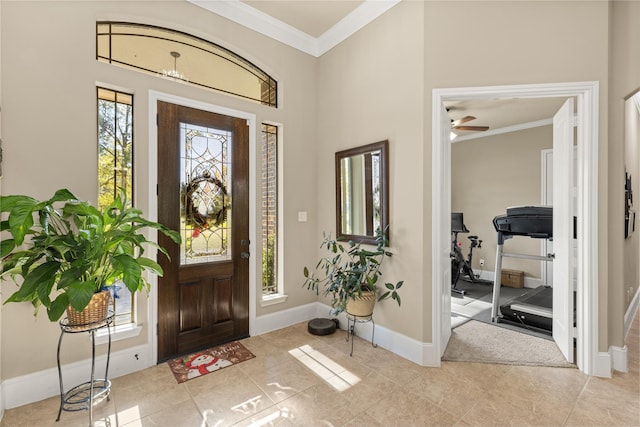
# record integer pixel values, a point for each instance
(534, 309)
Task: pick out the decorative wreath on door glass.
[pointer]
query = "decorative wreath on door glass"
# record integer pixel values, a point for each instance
(217, 201)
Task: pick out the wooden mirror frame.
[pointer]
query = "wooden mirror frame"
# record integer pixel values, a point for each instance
(383, 147)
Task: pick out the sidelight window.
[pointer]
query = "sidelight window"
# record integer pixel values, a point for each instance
(269, 210)
(115, 171)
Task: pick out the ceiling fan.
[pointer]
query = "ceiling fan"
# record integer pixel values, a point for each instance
(458, 124)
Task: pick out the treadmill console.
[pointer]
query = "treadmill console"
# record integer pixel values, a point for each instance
(530, 221)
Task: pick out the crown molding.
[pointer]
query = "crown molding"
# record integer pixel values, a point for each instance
(258, 21)
(636, 99)
(350, 24)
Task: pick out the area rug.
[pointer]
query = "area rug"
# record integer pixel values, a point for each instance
(206, 361)
(479, 342)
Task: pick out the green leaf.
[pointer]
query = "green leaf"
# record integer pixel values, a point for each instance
(21, 220)
(42, 276)
(389, 286)
(43, 292)
(6, 246)
(80, 293)
(396, 297)
(306, 272)
(399, 285)
(130, 269)
(151, 265)
(58, 307)
(61, 196)
(7, 203)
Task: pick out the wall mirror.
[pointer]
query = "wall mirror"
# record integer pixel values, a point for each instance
(362, 197)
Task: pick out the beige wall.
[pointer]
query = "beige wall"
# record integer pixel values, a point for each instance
(49, 74)
(370, 89)
(487, 176)
(624, 79)
(503, 43)
(632, 166)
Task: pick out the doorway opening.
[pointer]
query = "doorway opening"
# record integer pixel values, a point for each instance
(494, 168)
(586, 95)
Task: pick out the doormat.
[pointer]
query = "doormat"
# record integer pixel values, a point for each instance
(206, 361)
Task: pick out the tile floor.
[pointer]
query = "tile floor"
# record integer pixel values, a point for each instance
(372, 388)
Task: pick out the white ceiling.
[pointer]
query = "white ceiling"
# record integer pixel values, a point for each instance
(316, 26)
(503, 115)
(312, 26)
(314, 17)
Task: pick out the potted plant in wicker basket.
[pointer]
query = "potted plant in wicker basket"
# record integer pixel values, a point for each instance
(69, 253)
(350, 275)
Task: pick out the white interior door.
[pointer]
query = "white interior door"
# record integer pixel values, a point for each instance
(563, 229)
(547, 199)
(444, 238)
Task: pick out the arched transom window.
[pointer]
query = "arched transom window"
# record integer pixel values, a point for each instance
(179, 56)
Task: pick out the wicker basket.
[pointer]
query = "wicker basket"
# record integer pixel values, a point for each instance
(362, 306)
(96, 311)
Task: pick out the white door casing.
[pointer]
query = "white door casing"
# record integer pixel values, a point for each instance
(587, 101)
(563, 229)
(442, 236)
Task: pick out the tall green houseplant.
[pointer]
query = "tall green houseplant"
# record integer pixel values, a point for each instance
(346, 272)
(65, 249)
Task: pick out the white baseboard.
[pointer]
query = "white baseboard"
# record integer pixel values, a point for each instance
(603, 365)
(619, 361)
(614, 359)
(282, 319)
(43, 384)
(619, 356)
(423, 354)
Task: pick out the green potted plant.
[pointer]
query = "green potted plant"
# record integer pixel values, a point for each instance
(66, 250)
(350, 275)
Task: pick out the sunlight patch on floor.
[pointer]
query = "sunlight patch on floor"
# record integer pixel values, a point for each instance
(128, 415)
(332, 373)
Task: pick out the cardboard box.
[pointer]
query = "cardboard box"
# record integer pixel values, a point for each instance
(513, 278)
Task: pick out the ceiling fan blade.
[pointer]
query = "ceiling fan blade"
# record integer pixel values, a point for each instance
(465, 119)
(473, 128)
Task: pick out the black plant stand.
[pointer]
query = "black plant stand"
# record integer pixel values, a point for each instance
(87, 394)
(351, 324)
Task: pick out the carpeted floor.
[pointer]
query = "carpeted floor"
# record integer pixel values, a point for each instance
(476, 341)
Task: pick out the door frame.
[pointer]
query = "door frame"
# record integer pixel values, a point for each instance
(154, 97)
(587, 304)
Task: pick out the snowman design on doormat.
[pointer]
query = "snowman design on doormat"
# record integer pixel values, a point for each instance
(202, 363)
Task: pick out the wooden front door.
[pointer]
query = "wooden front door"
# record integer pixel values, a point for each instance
(203, 191)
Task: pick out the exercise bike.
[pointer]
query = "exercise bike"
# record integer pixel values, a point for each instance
(461, 266)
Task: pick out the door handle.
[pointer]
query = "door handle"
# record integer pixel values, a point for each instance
(245, 255)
